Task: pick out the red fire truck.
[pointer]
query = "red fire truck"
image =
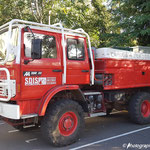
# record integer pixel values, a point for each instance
(50, 76)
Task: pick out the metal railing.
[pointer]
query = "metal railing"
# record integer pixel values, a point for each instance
(57, 27)
(5, 86)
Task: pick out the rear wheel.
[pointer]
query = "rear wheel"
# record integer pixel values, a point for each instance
(139, 108)
(63, 122)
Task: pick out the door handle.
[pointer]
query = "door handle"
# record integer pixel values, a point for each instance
(59, 70)
(85, 70)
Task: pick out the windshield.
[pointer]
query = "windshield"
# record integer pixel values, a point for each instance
(3, 42)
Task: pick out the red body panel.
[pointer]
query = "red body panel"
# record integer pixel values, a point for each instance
(46, 67)
(33, 98)
(126, 73)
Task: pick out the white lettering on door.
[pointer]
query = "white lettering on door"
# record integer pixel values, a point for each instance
(29, 81)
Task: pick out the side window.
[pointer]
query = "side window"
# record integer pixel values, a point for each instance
(49, 49)
(75, 49)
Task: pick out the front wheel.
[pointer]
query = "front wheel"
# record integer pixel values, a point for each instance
(139, 108)
(63, 122)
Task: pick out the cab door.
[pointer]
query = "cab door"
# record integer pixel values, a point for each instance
(40, 75)
(78, 68)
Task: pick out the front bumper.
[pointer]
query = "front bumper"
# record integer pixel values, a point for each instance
(11, 111)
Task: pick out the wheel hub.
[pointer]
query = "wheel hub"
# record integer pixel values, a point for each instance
(68, 123)
(145, 108)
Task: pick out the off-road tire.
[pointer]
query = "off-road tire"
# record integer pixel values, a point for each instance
(50, 125)
(135, 108)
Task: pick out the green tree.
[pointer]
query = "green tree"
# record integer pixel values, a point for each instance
(32, 10)
(92, 16)
(101, 22)
(132, 18)
(12, 9)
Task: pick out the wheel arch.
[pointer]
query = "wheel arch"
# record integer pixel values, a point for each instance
(52, 94)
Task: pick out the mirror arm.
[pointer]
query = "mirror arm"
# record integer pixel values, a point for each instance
(26, 30)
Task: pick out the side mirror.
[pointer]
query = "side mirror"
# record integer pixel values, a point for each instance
(36, 49)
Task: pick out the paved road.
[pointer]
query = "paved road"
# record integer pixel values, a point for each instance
(115, 132)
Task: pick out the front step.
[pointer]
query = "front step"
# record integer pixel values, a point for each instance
(29, 126)
(96, 115)
(91, 93)
(29, 116)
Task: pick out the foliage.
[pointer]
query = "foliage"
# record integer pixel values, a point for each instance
(100, 23)
(132, 17)
(92, 16)
(122, 23)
